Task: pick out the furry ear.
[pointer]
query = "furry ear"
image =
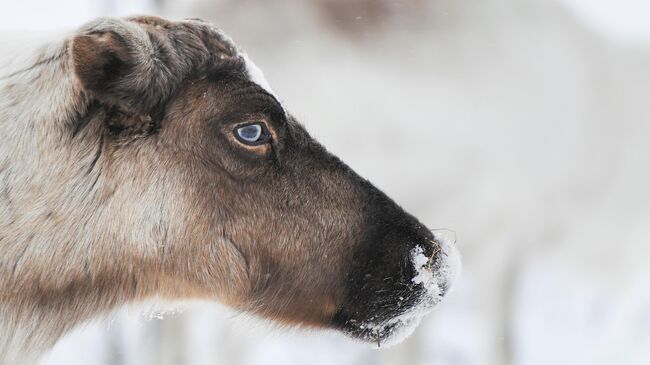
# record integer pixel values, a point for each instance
(100, 61)
(135, 64)
(125, 64)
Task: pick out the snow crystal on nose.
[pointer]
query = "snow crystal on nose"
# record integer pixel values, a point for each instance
(420, 262)
(452, 265)
(441, 274)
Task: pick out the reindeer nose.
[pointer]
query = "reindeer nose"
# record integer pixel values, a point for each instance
(443, 257)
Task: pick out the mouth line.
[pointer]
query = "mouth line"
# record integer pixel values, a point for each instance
(389, 332)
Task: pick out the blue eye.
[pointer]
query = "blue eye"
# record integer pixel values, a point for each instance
(252, 134)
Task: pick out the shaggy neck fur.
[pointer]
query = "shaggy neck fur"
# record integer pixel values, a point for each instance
(38, 98)
(55, 271)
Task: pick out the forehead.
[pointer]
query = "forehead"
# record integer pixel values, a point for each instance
(221, 100)
(250, 70)
(238, 82)
(208, 52)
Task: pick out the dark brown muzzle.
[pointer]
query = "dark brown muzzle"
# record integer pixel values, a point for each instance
(400, 272)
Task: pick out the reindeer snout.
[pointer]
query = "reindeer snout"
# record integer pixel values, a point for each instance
(437, 270)
(400, 272)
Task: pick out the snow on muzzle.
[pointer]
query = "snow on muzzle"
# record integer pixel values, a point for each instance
(433, 279)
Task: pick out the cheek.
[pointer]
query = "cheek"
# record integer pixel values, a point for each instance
(293, 288)
(297, 260)
(200, 256)
(293, 230)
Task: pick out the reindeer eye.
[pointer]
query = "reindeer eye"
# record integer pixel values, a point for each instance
(252, 134)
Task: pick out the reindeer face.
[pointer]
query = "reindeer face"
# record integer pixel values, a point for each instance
(256, 213)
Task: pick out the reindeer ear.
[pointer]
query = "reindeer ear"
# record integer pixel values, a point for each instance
(135, 64)
(100, 61)
(117, 63)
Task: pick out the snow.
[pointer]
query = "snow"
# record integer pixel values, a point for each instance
(404, 326)
(580, 316)
(420, 261)
(449, 268)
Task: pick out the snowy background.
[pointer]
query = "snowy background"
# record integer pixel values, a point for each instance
(524, 125)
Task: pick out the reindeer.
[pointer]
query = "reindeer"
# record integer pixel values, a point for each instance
(143, 157)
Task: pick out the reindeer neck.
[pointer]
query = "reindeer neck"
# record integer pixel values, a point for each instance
(38, 247)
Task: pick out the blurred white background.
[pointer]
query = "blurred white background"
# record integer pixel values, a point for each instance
(524, 125)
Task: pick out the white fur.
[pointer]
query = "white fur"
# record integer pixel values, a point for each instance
(256, 75)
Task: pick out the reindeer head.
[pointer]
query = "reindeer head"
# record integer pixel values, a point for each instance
(199, 184)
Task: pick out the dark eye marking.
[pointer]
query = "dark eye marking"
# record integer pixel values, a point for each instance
(252, 134)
